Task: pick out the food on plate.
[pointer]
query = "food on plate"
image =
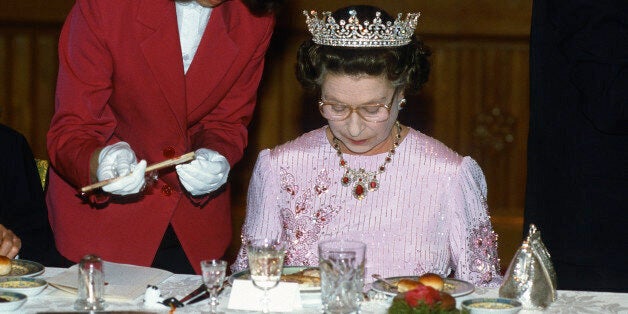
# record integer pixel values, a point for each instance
(428, 279)
(5, 265)
(406, 284)
(309, 277)
(433, 280)
(423, 299)
(492, 305)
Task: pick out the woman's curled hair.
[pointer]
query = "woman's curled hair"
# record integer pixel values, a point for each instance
(406, 66)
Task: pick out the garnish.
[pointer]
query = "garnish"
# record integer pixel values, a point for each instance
(423, 300)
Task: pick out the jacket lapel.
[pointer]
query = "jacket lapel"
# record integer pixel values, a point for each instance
(162, 50)
(214, 57)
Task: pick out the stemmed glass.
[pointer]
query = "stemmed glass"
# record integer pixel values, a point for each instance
(265, 264)
(214, 272)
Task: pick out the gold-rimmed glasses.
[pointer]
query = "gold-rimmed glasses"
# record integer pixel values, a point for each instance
(335, 111)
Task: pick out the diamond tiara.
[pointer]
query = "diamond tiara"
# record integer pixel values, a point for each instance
(352, 33)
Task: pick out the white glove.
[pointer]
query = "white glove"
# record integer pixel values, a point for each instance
(118, 160)
(205, 174)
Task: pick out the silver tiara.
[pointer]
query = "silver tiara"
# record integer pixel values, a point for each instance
(352, 33)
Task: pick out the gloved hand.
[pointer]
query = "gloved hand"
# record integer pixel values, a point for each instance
(205, 174)
(118, 160)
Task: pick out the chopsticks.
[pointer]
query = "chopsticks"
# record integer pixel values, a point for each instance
(160, 165)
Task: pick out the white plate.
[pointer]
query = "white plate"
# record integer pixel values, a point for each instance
(287, 270)
(26, 285)
(455, 287)
(11, 301)
(24, 268)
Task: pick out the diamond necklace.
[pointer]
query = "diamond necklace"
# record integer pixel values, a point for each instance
(365, 181)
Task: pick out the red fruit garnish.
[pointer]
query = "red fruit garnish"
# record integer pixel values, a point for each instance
(422, 294)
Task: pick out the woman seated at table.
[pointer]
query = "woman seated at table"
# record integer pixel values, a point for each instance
(419, 206)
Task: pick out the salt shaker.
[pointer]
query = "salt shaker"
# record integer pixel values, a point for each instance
(91, 284)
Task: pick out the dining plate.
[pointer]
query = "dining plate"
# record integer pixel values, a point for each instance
(455, 287)
(24, 268)
(11, 301)
(26, 285)
(287, 270)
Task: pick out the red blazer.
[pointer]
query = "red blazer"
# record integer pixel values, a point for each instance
(121, 79)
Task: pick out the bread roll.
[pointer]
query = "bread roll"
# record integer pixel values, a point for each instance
(5, 265)
(432, 280)
(404, 285)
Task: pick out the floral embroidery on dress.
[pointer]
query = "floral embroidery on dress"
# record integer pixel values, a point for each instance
(304, 220)
(287, 182)
(484, 260)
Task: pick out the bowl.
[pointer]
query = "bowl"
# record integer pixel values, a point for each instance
(490, 306)
(25, 285)
(11, 301)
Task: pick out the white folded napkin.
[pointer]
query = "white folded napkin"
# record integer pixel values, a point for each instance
(285, 297)
(122, 281)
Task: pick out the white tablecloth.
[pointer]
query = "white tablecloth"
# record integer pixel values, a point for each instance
(52, 299)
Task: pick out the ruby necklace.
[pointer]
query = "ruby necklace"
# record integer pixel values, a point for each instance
(365, 181)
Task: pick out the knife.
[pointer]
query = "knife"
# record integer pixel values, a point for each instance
(200, 297)
(200, 290)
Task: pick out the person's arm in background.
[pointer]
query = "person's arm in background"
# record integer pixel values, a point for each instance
(83, 121)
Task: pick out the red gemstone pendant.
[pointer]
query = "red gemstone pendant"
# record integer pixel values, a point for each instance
(359, 192)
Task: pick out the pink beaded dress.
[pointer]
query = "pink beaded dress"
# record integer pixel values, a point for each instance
(429, 213)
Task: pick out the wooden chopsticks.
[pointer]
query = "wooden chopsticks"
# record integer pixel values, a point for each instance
(160, 165)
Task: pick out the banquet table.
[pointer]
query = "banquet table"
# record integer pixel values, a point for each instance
(177, 285)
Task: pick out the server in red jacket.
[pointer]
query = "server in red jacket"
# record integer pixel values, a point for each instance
(141, 81)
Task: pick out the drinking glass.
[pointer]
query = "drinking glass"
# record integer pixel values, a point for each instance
(91, 284)
(341, 265)
(214, 272)
(266, 264)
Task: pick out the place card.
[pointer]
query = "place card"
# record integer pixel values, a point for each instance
(285, 297)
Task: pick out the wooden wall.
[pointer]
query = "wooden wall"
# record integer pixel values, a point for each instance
(476, 100)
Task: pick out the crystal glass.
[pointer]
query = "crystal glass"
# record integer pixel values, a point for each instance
(341, 265)
(91, 284)
(214, 272)
(266, 264)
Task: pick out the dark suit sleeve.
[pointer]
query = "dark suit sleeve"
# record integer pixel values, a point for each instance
(23, 209)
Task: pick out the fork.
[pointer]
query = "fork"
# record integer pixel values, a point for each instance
(384, 280)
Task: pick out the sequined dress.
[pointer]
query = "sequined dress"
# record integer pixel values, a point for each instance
(428, 215)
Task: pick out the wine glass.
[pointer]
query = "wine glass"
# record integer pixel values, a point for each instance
(214, 272)
(265, 264)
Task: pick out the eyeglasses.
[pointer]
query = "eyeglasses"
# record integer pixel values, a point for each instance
(338, 111)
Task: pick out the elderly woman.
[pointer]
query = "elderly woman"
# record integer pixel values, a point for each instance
(419, 206)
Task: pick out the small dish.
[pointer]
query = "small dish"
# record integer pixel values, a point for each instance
(26, 285)
(25, 268)
(490, 306)
(11, 301)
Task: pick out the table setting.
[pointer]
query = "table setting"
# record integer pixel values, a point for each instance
(337, 285)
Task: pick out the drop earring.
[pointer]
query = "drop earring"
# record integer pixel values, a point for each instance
(402, 102)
